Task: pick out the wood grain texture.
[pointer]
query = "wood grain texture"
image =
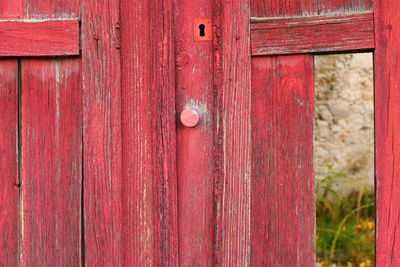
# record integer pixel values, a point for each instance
(48, 9)
(148, 134)
(312, 35)
(58, 146)
(387, 118)
(282, 190)
(50, 166)
(101, 70)
(9, 192)
(44, 38)
(343, 6)
(11, 9)
(195, 166)
(287, 8)
(51, 122)
(233, 82)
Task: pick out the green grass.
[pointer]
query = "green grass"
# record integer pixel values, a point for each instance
(345, 225)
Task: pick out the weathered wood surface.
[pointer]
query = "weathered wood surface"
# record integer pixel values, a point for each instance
(39, 38)
(195, 161)
(232, 67)
(289, 8)
(9, 192)
(51, 157)
(150, 231)
(102, 152)
(344, 6)
(282, 192)
(49, 225)
(387, 120)
(10, 224)
(39, 9)
(240, 191)
(51, 145)
(282, 199)
(312, 34)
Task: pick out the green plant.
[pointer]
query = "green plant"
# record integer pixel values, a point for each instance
(345, 224)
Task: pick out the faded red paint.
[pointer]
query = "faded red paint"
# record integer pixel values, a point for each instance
(302, 35)
(46, 38)
(96, 169)
(387, 132)
(9, 194)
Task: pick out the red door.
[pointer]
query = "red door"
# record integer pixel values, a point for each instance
(178, 133)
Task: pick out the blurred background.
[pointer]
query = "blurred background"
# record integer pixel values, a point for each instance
(344, 160)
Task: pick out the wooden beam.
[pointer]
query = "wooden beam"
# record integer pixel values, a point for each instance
(387, 118)
(148, 130)
(232, 77)
(102, 149)
(312, 34)
(39, 38)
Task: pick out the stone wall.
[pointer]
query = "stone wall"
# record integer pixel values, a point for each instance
(344, 121)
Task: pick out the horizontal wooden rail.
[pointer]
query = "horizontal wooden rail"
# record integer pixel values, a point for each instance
(312, 34)
(39, 38)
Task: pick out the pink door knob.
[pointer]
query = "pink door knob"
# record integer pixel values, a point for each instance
(190, 117)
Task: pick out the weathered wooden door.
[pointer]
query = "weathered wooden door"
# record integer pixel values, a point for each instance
(179, 133)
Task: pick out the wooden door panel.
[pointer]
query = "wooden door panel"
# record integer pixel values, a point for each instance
(9, 192)
(106, 176)
(51, 154)
(129, 133)
(232, 78)
(102, 144)
(149, 193)
(48, 224)
(287, 8)
(282, 182)
(282, 185)
(195, 168)
(290, 8)
(387, 132)
(343, 6)
(51, 157)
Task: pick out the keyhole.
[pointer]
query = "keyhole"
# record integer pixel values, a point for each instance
(202, 28)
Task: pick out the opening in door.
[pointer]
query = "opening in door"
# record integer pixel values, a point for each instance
(344, 160)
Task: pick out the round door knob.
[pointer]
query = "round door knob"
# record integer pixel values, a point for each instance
(190, 117)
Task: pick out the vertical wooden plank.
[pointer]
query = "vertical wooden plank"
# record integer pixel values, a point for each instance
(194, 145)
(102, 132)
(287, 8)
(282, 161)
(51, 150)
(387, 128)
(9, 193)
(343, 6)
(10, 224)
(233, 81)
(282, 192)
(148, 134)
(51, 163)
